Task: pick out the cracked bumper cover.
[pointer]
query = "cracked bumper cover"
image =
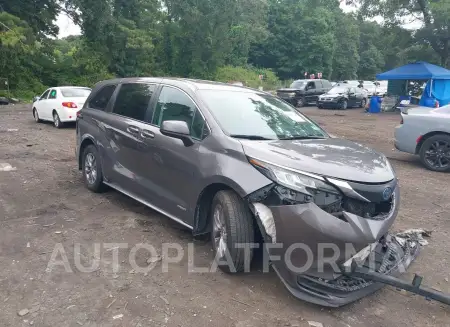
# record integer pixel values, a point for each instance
(328, 236)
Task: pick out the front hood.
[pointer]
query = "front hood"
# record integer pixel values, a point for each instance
(331, 157)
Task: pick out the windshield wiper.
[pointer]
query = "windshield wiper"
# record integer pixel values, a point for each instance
(251, 137)
(298, 137)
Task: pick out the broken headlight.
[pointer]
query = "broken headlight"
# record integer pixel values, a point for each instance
(293, 180)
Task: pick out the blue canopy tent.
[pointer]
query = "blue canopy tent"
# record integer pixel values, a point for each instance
(438, 86)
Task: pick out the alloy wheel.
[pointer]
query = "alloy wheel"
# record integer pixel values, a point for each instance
(219, 231)
(90, 168)
(56, 120)
(438, 154)
(36, 115)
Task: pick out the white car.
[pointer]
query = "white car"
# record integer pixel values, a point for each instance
(60, 104)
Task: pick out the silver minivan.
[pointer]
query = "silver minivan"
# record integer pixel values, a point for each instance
(242, 165)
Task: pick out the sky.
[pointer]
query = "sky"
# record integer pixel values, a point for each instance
(67, 27)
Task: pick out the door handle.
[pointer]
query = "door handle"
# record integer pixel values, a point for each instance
(147, 134)
(133, 129)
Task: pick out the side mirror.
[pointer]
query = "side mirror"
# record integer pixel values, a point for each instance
(36, 98)
(177, 129)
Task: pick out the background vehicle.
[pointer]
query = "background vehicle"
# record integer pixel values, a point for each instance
(304, 91)
(60, 104)
(370, 87)
(382, 88)
(233, 162)
(342, 97)
(426, 132)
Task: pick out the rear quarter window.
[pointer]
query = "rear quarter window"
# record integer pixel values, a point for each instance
(101, 98)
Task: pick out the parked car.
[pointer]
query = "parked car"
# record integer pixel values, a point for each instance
(235, 162)
(370, 88)
(382, 88)
(60, 104)
(343, 97)
(426, 132)
(304, 91)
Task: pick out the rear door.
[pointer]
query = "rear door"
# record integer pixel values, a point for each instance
(41, 104)
(52, 103)
(352, 97)
(319, 89)
(94, 122)
(125, 129)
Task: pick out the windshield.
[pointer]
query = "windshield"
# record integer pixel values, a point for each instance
(338, 90)
(75, 92)
(298, 85)
(258, 116)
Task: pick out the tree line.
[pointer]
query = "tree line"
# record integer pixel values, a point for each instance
(214, 39)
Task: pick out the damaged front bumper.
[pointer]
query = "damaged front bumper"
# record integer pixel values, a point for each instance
(308, 246)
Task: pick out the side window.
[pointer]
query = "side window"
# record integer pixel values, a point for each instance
(318, 84)
(175, 105)
(133, 99)
(44, 95)
(52, 94)
(311, 86)
(326, 84)
(101, 98)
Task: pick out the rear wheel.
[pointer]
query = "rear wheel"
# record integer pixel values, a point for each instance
(232, 230)
(56, 121)
(343, 104)
(92, 169)
(363, 103)
(435, 153)
(36, 116)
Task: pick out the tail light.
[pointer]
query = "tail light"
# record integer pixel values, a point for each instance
(69, 105)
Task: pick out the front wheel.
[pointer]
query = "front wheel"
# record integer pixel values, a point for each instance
(232, 231)
(300, 102)
(435, 153)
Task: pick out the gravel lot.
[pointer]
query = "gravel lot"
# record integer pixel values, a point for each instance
(44, 203)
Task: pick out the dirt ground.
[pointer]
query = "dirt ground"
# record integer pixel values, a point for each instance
(44, 203)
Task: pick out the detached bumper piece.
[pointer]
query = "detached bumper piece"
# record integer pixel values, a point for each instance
(388, 258)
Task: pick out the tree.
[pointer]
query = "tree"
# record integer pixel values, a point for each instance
(301, 39)
(346, 56)
(434, 16)
(40, 15)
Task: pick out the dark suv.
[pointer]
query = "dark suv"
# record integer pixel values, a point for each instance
(241, 164)
(304, 91)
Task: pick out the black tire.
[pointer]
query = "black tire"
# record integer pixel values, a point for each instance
(343, 104)
(36, 116)
(56, 121)
(96, 184)
(300, 103)
(435, 153)
(238, 228)
(363, 103)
